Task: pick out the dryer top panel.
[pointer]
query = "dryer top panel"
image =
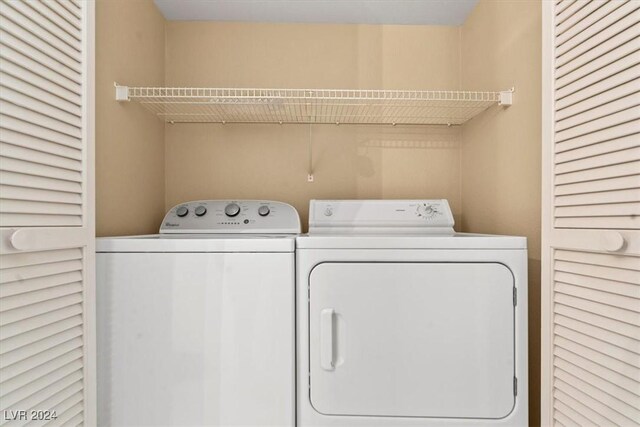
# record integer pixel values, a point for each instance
(405, 241)
(380, 217)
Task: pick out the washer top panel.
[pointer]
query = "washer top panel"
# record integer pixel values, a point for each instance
(231, 217)
(223, 226)
(222, 243)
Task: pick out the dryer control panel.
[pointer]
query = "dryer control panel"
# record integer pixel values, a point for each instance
(230, 217)
(380, 216)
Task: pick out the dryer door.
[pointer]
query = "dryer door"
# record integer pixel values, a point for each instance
(412, 339)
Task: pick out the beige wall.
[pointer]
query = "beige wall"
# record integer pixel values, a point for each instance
(210, 161)
(129, 141)
(501, 148)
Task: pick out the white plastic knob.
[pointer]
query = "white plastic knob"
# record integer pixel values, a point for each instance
(613, 241)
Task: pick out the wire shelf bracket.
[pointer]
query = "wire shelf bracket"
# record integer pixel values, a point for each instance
(506, 97)
(122, 93)
(312, 106)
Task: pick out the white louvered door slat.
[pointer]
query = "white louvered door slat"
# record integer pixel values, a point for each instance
(24, 27)
(34, 130)
(37, 144)
(591, 213)
(599, 10)
(40, 338)
(25, 10)
(42, 7)
(47, 284)
(21, 48)
(18, 88)
(610, 146)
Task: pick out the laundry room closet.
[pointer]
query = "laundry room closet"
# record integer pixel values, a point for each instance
(488, 168)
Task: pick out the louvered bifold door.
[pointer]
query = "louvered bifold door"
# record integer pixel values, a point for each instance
(591, 213)
(47, 338)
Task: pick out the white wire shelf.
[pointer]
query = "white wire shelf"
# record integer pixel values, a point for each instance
(320, 106)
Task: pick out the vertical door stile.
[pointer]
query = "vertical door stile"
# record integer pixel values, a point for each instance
(88, 136)
(546, 298)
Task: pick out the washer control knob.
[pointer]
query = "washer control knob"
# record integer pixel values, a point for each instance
(264, 210)
(182, 211)
(232, 209)
(200, 210)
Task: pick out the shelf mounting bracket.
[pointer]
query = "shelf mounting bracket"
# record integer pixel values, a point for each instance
(506, 97)
(122, 93)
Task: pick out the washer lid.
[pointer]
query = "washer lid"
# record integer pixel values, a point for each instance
(225, 243)
(403, 241)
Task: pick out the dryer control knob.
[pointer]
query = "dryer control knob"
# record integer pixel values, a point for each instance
(427, 211)
(264, 210)
(182, 211)
(232, 209)
(200, 210)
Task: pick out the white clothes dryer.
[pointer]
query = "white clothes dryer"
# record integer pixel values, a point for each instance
(404, 322)
(196, 324)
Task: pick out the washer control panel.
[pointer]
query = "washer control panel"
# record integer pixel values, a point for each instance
(231, 216)
(380, 216)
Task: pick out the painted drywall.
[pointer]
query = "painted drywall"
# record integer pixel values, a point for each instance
(129, 141)
(210, 161)
(501, 47)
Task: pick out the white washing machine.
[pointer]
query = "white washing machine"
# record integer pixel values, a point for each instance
(403, 322)
(196, 324)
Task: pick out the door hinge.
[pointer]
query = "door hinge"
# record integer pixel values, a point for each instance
(515, 386)
(515, 296)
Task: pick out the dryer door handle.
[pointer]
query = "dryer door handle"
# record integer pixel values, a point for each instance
(326, 339)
